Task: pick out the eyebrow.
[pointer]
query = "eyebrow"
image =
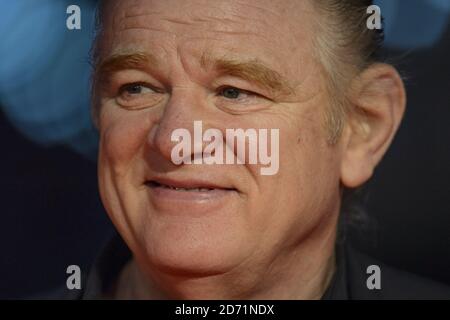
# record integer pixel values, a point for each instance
(118, 62)
(251, 70)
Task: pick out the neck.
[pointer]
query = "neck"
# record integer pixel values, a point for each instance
(301, 271)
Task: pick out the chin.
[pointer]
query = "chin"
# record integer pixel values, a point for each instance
(194, 250)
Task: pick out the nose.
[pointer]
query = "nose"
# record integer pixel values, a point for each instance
(183, 108)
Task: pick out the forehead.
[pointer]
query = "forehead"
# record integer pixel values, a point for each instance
(273, 31)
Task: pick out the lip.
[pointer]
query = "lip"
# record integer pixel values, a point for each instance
(166, 198)
(188, 183)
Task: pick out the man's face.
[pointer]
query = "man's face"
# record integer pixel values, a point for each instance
(231, 64)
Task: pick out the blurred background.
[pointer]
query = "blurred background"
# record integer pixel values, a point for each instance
(51, 214)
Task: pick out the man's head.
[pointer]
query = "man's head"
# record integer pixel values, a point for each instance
(287, 65)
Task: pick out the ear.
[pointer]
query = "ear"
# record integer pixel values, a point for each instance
(377, 97)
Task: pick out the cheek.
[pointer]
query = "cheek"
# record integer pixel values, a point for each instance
(310, 159)
(307, 174)
(313, 185)
(121, 138)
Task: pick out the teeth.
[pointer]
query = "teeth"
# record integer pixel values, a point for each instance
(155, 184)
(187, 189)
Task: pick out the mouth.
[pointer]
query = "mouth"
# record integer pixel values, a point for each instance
(155, 184)
(187, 189)
(190, 197)
(189, 185)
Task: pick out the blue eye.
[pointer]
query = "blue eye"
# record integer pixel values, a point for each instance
(138, 95)
(239, 100)
(231, 93)
(133, 89)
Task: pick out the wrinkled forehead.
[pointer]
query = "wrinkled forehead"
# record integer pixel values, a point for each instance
(281, 27)
(273, 12)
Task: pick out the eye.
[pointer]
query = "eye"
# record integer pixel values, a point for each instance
(237, 100)
(233, 93)
(138, 95)
(134, 89)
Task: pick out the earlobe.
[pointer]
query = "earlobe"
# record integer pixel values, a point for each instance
(378, 100)
(356, 166)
